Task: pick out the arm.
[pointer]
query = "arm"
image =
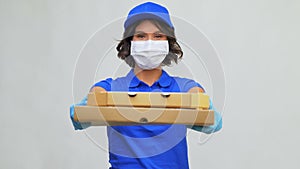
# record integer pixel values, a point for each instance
(218, 118)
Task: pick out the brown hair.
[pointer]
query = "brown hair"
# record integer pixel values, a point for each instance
(124, 45)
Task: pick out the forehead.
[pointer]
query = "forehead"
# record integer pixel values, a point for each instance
(147, 27)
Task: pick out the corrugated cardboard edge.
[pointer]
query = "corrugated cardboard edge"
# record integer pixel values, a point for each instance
(113, 116)
(149, 99)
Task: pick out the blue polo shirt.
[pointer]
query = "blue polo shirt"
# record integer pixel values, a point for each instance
(148, 146)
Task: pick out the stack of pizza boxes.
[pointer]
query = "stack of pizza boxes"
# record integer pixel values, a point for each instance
(142, 108)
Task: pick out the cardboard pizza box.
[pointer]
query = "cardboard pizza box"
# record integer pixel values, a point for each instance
(149, 99)
(113, 116)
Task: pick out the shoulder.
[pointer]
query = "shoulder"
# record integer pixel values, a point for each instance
(109, 84)
(105, 84)
(185, 84)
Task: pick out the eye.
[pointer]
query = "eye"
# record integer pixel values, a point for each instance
(159, 36)
(140, 36)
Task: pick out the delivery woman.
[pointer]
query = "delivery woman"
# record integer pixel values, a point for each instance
(148, 44)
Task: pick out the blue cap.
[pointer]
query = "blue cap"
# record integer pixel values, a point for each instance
(148, 10)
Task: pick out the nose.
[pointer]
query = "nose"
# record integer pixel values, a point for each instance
(152, 36)
(148, 36)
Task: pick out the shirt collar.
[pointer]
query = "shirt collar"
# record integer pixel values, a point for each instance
(163, 81)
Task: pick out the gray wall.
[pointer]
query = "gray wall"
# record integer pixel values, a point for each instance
(41, 42)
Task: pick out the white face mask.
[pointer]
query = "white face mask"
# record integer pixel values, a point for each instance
(149, 54)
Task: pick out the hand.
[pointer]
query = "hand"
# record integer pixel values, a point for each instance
(77, 125)
(212, 128)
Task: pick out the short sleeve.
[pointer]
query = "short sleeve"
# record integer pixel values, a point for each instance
(105, 84)
(186, 84)
(190, 84)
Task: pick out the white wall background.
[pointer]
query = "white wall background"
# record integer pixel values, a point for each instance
(258, 44)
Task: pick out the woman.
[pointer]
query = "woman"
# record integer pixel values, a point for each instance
(148, 44)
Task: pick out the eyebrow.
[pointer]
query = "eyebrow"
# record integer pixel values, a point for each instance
(142, 32)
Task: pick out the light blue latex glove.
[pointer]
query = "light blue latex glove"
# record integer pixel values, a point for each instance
(78, 125)
(212, 128)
